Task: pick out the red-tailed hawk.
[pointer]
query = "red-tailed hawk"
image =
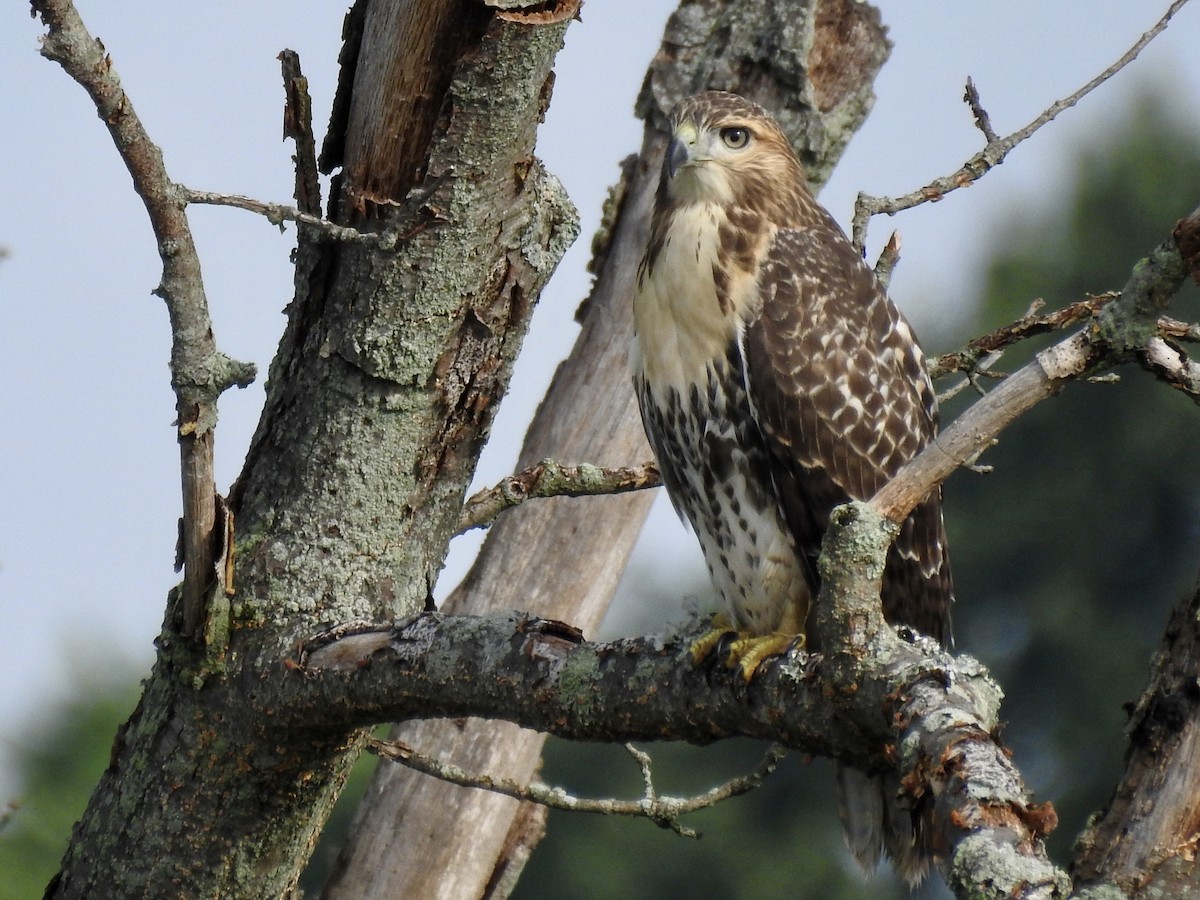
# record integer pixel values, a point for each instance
(776, 381)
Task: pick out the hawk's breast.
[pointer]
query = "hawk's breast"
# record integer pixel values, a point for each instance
(691, 299)
(692, 390)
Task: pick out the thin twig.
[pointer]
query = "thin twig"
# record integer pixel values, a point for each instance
(981, 368)
(662, 811)
(967, 359)
(996, 149)
(278, 213)
(552, 479)
(409, 223)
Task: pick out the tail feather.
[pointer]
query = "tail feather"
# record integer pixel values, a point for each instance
(877, 820)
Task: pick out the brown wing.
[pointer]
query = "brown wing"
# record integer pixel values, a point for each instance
(839, 388)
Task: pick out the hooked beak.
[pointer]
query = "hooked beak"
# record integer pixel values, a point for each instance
(682, 147)
(677, 154)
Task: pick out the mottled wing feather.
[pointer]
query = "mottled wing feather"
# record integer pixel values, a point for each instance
(839, 389)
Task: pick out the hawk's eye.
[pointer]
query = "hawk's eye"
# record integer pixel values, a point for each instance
(735, 138)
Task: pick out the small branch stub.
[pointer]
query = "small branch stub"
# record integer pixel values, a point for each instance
(552, 479)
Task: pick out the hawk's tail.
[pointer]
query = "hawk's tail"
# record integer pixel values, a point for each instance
(877, 820)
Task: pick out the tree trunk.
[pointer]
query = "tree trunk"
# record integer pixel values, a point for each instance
(379, 400)
(414, 836)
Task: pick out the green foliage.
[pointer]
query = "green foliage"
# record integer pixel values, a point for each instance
(58, 764)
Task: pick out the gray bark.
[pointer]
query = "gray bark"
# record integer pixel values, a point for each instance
(1144, 842)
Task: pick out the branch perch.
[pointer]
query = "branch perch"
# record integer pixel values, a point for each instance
(872, 690)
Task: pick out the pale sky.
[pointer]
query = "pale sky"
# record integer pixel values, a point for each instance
(88, 461)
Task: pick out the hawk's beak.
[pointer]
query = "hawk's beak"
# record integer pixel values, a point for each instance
(682, 149)
(677, 154)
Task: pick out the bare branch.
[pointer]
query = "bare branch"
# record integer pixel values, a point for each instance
(968, 358)
(552, 479)
(980, 369)
(1124, 328)
(278, 213)
(663, 811)
(996, 149)
(199, 372)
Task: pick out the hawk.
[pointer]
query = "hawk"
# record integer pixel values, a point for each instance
(776, 381)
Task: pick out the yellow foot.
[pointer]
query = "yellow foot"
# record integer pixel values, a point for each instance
(704, 645)
(745, 652)
(749, 652)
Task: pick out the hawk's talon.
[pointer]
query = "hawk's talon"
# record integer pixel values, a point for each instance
(712, 640)
(749, 652)
(741, 650)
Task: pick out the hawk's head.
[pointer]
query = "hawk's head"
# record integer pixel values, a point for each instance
(726, 150)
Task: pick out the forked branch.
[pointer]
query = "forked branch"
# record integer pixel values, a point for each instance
(664, 811)
(996, 148)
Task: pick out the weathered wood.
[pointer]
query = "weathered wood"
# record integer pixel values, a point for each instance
(1145, 841)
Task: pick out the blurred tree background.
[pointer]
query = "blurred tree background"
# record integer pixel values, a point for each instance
(1066, 559)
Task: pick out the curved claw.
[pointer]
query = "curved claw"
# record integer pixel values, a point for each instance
(741, 650)
(749, 652)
